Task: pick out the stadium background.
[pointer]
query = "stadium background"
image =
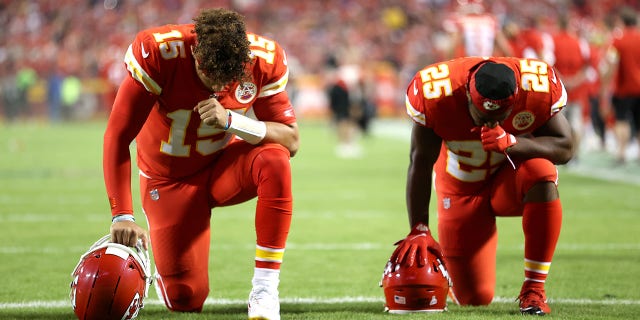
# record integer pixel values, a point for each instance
(62, 59)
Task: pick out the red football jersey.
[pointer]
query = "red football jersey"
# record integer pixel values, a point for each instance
(478, 32)
(571, 52)
(437, 98)
(571, 57)
(528, 44)
(174, 142)
(627, 79)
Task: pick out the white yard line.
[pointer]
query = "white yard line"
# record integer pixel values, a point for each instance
(310, 300)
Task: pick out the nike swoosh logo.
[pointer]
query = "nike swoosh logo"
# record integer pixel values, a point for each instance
(144, 53)
(415, 88)
(501, 136)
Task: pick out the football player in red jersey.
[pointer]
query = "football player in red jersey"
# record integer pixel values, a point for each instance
(214, 127)
(491, 131)
(572, 58)
(474, 31)
(622, 76)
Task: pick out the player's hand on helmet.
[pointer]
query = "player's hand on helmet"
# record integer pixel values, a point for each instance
(496, 139)
(128, 233)
(413, 248)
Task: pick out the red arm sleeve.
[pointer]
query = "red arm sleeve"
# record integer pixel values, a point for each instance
(130, 110)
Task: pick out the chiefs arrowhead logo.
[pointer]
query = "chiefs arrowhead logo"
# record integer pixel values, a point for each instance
(523, 120)
(246, 92)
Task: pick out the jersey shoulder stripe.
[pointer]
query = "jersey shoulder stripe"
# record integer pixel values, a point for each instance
(561, 102)
(139, 74)
(275, 87)
(416, 115)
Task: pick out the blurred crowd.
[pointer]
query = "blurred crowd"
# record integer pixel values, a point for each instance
(62, 59)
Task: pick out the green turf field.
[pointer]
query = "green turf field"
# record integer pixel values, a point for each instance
(347, 214)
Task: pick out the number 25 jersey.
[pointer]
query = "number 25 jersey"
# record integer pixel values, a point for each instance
(437, 98)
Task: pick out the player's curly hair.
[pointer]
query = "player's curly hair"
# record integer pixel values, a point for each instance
(223, 49)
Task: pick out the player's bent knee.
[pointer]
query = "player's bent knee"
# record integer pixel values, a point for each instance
(533, 171)
(182, 296)
(272, 162)
(272, 155)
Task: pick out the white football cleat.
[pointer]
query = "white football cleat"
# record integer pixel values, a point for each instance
(264, 303)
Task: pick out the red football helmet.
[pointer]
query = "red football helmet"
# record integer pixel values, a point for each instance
(110, 281)
(414, 288)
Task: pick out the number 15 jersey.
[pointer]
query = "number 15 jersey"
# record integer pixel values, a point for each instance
(174, 142)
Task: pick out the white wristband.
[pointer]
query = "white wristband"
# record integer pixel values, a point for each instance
(250, 130)
(123, 217)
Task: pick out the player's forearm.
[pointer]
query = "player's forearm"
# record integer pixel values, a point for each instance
(558, 150)
(418, 194)
(285, 135)
(251, 130)
(425, 148)
(116, 163)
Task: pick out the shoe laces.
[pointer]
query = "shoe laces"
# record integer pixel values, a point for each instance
(262, 293)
